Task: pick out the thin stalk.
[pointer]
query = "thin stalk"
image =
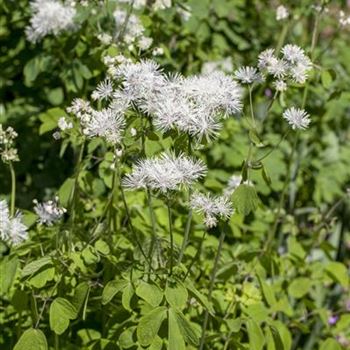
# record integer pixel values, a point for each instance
(130, 222)
(251, 106)
(195, 258)
(153, 221)
(282, 37)
(274, 147)
(282, 198)
(190, 213)
(170, 219)
(211, 286)
(75, 187)
(57, 342)
(13, 189)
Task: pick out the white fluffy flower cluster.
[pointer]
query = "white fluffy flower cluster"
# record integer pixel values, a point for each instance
(297, 118)
(344, 20)
(49, 17)
(8, 152)
(130, 29)
(193, 105)
(12, 230)
(248, 75)
(108, 123)
(213, 207)
(48, 212)
(167, 172)
(293, 66)
(281, 13)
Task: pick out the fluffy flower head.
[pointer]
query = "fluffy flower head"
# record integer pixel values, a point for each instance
(297, 118)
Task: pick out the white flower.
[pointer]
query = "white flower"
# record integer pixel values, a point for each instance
(144, 42)
(265, 58)
(164, 173)
(247, 75)
(12, 230)
(49, 17)
(213, 207)
(277, 68)
(224, 65)
(128, 26)
(158, 51)
(280, 85)
(343, 19)
(233, 183)
(103, 91)
(161, 4)
(299, 73)
(133, 132)
(293, 53)
(49, 212)
(63, 124)
(137, 4)
(297, 118)
(281, 13)
(140, 80)
(107, 124)
(105, 38)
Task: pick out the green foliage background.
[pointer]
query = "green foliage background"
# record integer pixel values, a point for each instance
(277, 301)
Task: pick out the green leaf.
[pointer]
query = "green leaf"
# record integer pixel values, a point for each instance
(149, 325)
(200, 297)
(127, 295)
(175, 338)
(36, 265)
(8, 269)
(102, 247)
(80, 294)
(40, 279)
(61, 312)
(32, 339)
(330, 344)
(284, 335)
(189, 333)
(338, 272)
(268, 292)
(111, 289)
(55, 96)
(150, 293)
(65, 191)
(326, 79)
(176, 294)
(50, 118)
(299, 287)
(245, 199)
(256, 336)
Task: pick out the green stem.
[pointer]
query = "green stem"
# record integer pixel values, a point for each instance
(153, 221)
(282, 37)
(211, 286)
(189, 218)
(171, 238)
(251, 106)
(272, 233)
(57, 342)
(274, 147)
(13, 189)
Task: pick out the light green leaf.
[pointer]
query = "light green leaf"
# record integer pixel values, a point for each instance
(176, 294)
(256, 336)
(61, 312)
(330, 344)
(149, 325)
(299, 287)
(245, 199)
(32, 339)
(175, 338)
(338, 272)
(8, 268)
(35, 266)
(40, 279)
(189, 333)
(102, 247)
(150, 293)
(128, 293)
(111, 289)
(199, 296)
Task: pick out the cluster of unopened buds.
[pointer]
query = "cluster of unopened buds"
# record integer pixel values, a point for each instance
(7, 150)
